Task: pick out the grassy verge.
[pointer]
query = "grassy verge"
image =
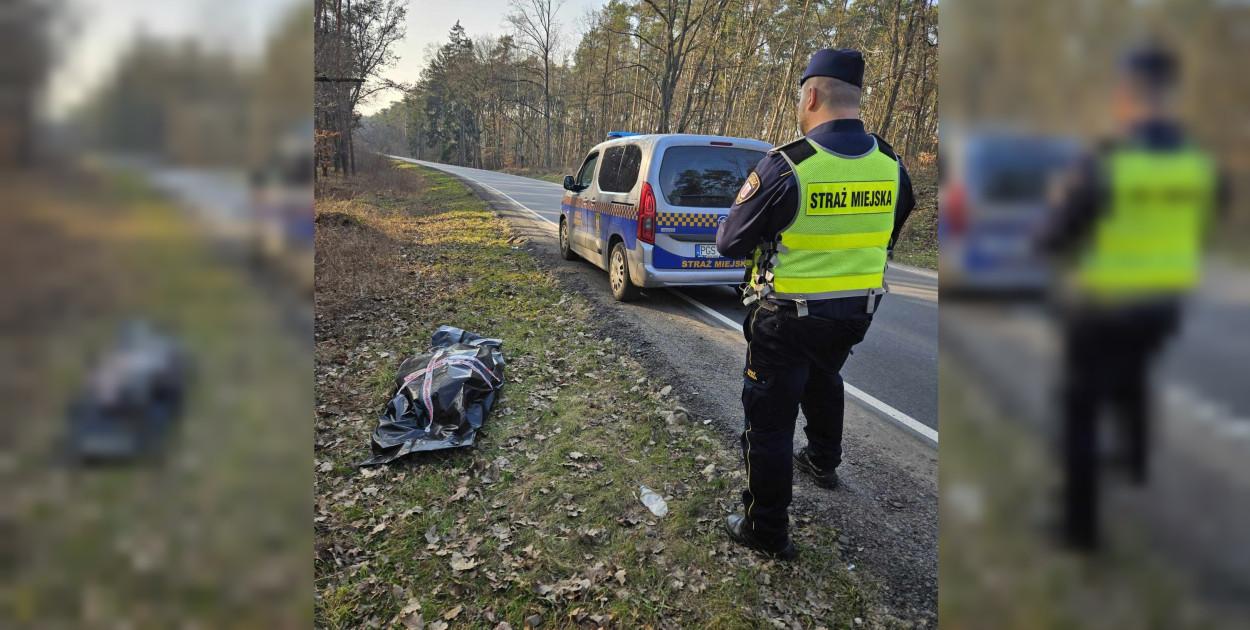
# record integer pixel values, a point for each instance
(918, 243)
(211, 535)
(998, 567)
(538, 522)
(533, 173)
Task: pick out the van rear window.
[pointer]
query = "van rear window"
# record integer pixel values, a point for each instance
(705, 177)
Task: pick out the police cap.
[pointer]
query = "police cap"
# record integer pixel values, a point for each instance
(1151, 64)
(846, 64)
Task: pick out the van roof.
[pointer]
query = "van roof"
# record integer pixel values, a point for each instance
(652, 141)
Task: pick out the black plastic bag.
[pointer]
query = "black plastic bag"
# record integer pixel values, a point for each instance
(132, 398)
(441, 398)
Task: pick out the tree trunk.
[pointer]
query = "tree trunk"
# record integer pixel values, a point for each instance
(900, 70)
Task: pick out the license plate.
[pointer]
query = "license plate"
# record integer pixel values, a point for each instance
(706, 251)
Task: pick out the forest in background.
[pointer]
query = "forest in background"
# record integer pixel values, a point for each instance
(194, 103)
(539, 95)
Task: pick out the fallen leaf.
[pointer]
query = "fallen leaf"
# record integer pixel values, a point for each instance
(377, 528)
(451, 614)
(409, 616)
(461, 563)
(459, 494)
(431, 535)
(620, 576)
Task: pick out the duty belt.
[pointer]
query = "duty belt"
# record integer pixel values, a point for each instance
(758, 287)
(800, 305)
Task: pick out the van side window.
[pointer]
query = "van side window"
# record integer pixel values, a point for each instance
(620, 168)
(587, 174)
(628, 175)
(611, 163)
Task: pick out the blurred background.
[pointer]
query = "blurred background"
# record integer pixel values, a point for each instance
(156, 168)
(1038, 368)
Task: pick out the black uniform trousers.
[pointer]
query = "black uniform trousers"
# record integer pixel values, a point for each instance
(791, 362)
(1109, 352)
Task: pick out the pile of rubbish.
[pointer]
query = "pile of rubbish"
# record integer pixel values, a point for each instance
(441, 397)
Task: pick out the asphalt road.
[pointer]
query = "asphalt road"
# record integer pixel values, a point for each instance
(894, 371)
(1196, 511)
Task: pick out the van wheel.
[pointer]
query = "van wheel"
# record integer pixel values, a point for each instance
(566, 248)
(623, 289)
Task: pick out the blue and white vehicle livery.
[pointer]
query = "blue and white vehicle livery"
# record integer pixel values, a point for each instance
(645, 208)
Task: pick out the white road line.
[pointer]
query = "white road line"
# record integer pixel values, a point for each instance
(928, 273)
(897, 416)
(509, 198)
(907, 421)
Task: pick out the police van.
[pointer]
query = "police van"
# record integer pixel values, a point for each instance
(645, 208)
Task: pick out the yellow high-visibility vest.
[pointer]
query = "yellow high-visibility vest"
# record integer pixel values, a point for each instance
(836, 245)
(1150, 242)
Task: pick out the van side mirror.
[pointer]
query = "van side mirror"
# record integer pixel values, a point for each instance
(568, 183)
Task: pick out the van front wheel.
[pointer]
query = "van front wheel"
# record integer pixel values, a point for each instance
(566, 247)
(623, 289)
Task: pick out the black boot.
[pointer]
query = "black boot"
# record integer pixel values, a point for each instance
(738, 529)
(825, 479)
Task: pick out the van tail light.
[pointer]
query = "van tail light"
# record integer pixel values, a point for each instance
(955, 210)
(716, 143)
(646, 215)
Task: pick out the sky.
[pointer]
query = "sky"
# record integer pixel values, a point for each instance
(429, 22)
(103, 30)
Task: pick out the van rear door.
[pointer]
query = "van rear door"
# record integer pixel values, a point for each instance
(697, 185)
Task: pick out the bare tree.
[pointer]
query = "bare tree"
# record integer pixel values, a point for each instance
(354, 40)
(539, 33)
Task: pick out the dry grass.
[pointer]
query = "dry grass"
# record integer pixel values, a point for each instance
(359, 225)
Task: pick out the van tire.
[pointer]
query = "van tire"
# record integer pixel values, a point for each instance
(566, 247)
(623, 287)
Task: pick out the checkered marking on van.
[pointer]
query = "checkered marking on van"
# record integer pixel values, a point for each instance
(623, 210)
(681, 219)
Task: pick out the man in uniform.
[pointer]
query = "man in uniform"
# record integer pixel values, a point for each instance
(1130, 222)
(817, 217)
